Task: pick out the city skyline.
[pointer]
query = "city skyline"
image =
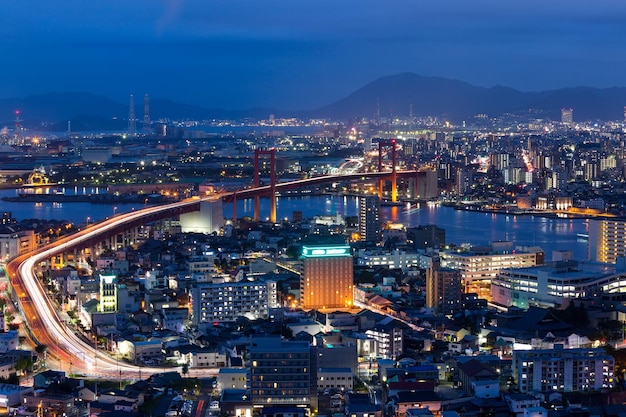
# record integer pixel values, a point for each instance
(245, 54)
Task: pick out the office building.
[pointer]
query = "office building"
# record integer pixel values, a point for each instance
(429, 236)
(426, 184)
(327, 276)
(567, 116)
(369, 219)
(564, 370)
(228, 301)
(443, 288)
(394, 259)
(551, 285)
(607, 240)
(479, 265)
(209, 219)
(280, 372)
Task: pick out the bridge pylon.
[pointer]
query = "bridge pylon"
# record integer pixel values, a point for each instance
(257, 182)
(383, 144)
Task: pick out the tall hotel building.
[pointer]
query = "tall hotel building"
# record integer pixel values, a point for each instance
(607, 240)
(369, 219)
(327, 276)
(280, 372)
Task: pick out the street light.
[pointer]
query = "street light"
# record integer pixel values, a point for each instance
(114, 210)
(88, 218)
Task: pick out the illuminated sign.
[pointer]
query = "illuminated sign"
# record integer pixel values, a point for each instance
(325, 251)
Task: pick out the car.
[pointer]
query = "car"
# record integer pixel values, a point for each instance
(214, 405)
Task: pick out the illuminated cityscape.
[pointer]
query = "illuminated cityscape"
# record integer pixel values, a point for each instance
(408, 210)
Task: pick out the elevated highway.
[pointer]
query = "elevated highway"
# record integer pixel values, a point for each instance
(43, 320)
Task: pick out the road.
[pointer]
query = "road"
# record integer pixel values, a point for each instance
(46, 327)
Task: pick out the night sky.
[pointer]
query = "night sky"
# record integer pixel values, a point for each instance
(301, 54)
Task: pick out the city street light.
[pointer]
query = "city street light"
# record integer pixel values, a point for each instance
(88, 218)
(114, 210)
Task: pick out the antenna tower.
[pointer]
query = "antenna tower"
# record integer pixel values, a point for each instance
(146, 113)
(132, 128)
(18, 126)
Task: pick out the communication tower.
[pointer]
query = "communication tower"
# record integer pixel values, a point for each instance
(146, 113)
(132, 127)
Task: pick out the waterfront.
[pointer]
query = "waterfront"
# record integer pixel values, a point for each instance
(461, 226)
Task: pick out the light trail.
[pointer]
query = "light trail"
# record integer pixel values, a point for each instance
(48, 328)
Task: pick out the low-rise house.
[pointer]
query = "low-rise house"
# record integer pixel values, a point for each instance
(479, 379)
(50, 403)
(9, 341)
(13, 395)
(232, 378)
(518, 403)
(337, 378)
(135, 399)
(405, 400)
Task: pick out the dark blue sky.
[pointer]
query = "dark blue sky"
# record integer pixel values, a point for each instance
(300, 54)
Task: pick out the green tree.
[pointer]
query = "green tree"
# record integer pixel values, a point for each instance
(42, 350)
(184, 369)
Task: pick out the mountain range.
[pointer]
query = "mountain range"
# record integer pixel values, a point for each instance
(392, 95)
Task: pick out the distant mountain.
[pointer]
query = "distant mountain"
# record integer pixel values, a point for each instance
(393, 95)
(458, 100)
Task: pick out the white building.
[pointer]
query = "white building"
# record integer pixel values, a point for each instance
(209, 219)
(232, 378)
(565, 370)
(337, 378)
(396, 259)
(552, 284)
(228, 301)
(174, 319)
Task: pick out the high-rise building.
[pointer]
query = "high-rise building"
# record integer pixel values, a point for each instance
(564, 370)
(228, 301)
(607, 240)
(481, 264)
(443, 288)
(369, 218)
(429, 236)
(426, 184)
(280, 372)
(567, 116)
(327, 276)
(108, 292)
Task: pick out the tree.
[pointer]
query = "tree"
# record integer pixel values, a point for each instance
(42, 350)
(185, 369)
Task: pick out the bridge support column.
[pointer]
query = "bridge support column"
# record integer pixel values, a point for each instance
(391, 144)
(235, 209)
(257, 183)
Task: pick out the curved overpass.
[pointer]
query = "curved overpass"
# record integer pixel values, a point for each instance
(47, 327)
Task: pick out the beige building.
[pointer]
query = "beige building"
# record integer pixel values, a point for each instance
(480, 265)
(607, 240)
(327, 277)
(14, 243)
